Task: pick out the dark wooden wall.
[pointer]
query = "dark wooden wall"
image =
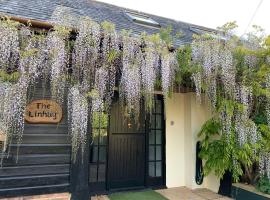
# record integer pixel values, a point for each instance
(44, 158)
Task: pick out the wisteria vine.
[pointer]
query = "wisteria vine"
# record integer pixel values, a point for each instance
(85, 70)
(233, 75)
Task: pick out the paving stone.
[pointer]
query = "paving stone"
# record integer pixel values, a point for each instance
(183, 193)
(102, 197)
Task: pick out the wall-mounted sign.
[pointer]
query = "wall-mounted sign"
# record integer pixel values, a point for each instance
(43, 112)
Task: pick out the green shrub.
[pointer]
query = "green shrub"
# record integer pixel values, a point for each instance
(263, 185)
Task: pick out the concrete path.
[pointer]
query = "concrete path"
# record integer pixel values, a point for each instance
(183, 193)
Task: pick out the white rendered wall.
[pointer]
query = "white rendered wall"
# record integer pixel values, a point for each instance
(184, 118)
(175, 151)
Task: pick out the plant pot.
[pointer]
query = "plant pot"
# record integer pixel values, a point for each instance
(242, 191)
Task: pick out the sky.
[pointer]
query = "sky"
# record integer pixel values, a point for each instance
(208, 13)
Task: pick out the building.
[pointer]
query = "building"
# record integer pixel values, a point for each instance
(161, 153)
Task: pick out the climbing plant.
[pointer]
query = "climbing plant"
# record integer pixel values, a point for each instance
(232, 72)
(85, 66)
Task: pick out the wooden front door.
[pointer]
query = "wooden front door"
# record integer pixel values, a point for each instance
(126, 155)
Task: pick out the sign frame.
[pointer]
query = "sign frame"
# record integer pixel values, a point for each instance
(43, 111)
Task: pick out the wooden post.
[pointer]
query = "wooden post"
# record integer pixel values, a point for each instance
(79, 176)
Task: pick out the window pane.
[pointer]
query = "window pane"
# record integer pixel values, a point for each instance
(103, 137)
(100, 120)
(152, 137)
(158, 136)
(158, 169)
(95, 123)
(158, 122)
(101, 173)
(151, 169)
(93, 173)
(102, 154)
(158, 106)
(151, 152)
(158, 152)
(94, 154)
(95, 135)
(103, 120)
(153, 123)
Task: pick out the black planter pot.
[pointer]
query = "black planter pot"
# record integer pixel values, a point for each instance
(244, 192)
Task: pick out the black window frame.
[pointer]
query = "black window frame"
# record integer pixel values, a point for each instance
(98, 184)
(156, 181)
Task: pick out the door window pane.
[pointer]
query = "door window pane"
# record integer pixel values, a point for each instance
(93, 173)
(152, 137)
(158, 122)
(94, 156)
(104, 120)
(158, 169)
(95, 136)
(102, 154)
(103, 137)
(158, 136)
(159, 106)
(151, 152)
(151, 169)
(158, 152)
(101, 172)
(153, 123)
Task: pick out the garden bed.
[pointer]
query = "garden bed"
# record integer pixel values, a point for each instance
(242, 191)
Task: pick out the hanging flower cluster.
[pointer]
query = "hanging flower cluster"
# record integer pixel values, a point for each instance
(58, 61)
(206, 53)
(168, 66)
(77, 119)
(12, 104)
(110, 53)
(267, 106)
(148, 73)
(228, 71)
(130, 85)
(18, 72)
(85, 54)
(100, 89)
(264, 164)
(9, 45)
(216, 61)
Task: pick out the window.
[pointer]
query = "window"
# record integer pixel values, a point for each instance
(202, 30)
(156, 141)
(98, 152)
(142, 19)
